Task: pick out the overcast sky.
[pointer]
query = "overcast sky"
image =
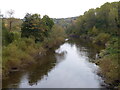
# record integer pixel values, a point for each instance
(52, 8)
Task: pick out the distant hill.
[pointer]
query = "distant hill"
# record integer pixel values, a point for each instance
(64, 22)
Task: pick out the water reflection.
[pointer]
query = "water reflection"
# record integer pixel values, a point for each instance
(85, 47)
(35, 72)
(66, 67)
(45, 65)
(13, 80)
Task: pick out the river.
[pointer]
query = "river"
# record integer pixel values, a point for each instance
(68, 66)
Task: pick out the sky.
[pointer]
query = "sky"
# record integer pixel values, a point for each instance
(52, 8)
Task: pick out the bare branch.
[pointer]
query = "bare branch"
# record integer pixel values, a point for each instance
(10, 13)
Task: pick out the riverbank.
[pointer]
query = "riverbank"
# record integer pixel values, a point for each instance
(98, 26)
(17, 58)
(108, 60)
(66, 66)
(23, 51)
(109, 63)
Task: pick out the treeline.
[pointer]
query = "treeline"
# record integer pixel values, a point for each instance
(99, 20)
(102, 27)
(35, 36)
(64, 22)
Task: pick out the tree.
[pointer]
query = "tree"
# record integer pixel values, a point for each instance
(36, 27)
(112, 21)
(105, 19)
(10, 14)
(89, 19)
(31, 26)
(47, 24)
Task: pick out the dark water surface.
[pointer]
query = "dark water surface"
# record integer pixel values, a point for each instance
(68, 67)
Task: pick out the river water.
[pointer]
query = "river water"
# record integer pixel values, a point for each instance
(68, 66)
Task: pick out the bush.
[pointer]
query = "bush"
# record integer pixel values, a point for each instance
(57, 35)
(110, 68)
(102, 38)
(109, 63)
(93, 32)
(7, 37)
(112, 47)
(18, 53)
(16, 35)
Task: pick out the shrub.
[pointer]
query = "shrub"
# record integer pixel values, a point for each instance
(17, 53)
(102, 38)
(93, 32)
(56, 36)
(110, 68)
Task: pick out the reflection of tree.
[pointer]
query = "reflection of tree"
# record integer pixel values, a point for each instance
(36, 71)
(13, 80)
(86, 47)
(44, 65)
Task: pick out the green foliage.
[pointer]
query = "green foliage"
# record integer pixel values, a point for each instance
(93, 32)
(31, 26)
(47, 21)
(18, 53)
(113, 46)
(102, 26)
(15, 24)
(47, 24)
(36, 27)
(7, 37)
(102, 38)
(105, 19)
(57, 31)
(16, 35)
(110, 68)
(55, 38)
